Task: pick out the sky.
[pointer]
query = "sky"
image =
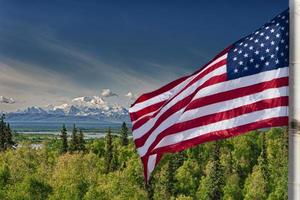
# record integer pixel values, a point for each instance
(53, 51)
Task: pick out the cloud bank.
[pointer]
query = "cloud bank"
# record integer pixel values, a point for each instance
(7, 100)
(108, 93)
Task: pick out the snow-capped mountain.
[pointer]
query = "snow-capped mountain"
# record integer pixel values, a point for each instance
(81, 108)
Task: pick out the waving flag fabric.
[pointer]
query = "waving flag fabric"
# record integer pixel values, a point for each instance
(244, 88)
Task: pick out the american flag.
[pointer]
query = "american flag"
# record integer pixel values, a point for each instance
(243, 88)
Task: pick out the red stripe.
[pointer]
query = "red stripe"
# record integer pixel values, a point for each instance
(182, 103)
(222, 96)
(161, 90)
(217, 135)
(239, 92)
(225, 115)
(173, 84)
(138, 114)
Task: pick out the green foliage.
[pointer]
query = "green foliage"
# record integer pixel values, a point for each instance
(124, 134)
(64, 138)
(6, 136)
(109, 152)
(74, 139)
(251, 166)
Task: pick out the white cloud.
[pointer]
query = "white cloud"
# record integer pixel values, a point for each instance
(131, 96)
(7, 100)
(108, 93)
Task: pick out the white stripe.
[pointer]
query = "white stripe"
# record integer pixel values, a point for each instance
(147, 126)
(233, 103)
(203, 111)
(146, 115)
(151, 165)
(166, 95)
(223, 125)
(213, 89)
(242, 82)
(214, 108)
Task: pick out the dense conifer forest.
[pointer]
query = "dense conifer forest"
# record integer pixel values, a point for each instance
(252, 167)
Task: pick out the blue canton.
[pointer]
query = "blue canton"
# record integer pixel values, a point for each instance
(265, 49)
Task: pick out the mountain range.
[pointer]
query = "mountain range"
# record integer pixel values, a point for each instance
(89, 109)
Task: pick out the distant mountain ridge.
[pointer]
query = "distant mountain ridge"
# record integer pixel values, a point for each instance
(79, 109)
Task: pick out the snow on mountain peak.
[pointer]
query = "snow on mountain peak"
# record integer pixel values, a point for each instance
(80, 108)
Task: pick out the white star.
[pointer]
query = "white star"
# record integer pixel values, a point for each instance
(241, 44)
(251, 60)
(283, 17)
(235, 50)
(234, 58)
(282, 54)
(272, 43)
(257, 32)
(261, 34)
(240, 51)
(286, 46)
(277, 35)
(272, 30)
(282, 41)
(277, 48)
(286, 33)
(267, 37)
(277, 24)
(245, 45)
(241, 62)
(277, 61)
(245, 55)
(267, 27)
(251, 38)
(251, 47)
(267, 63)
(272, 55)
(282, 28)
(245, 68)
(236, 70)
(262, 44)
(257, 66)
(256, 52)
(256, 41)
(287, 21)
(262, 58)
(267, 50)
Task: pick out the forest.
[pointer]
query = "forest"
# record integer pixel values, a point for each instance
(252, 166)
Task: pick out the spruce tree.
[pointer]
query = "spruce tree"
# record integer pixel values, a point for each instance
(81, 142)
(64, 138)
(74, 139)
(8, 137)
(2, 133)
(263, 161)
(216, 177)
(171, 175)
(109, 151)
(124, 134)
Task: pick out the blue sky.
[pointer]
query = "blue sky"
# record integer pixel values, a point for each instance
(53, 51)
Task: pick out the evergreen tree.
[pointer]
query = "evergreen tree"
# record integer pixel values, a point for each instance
(81, 142)
(2, 133)
(216, 179)
(74, 139)
(171, 175)
(124, 134)
(64, 138)
(263, 161)
(109, 151)
(8, 137)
